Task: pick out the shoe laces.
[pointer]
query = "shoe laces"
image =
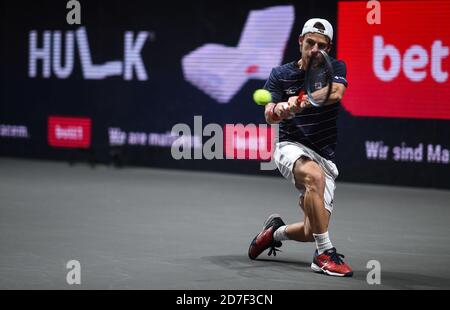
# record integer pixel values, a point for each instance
(336, 257)
(273, 249)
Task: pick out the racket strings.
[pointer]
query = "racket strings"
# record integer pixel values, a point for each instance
(319, 76)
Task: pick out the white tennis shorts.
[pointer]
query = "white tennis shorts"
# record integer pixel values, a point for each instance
(287, 153)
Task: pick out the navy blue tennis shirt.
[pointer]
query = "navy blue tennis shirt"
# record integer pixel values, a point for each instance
(314, 127)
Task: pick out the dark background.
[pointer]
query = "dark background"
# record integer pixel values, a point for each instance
(166, 99)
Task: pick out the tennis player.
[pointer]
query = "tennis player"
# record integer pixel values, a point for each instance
(305, 152)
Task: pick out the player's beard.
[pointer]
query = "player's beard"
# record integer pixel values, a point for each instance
(304, 59)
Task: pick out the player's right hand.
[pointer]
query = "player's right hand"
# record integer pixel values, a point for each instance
(295, 104)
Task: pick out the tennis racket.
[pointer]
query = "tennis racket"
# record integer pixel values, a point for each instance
(318, 79)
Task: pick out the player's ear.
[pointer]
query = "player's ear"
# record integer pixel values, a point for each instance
(300, 41)
(330, 46)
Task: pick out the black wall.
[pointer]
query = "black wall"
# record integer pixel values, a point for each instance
(165, 98)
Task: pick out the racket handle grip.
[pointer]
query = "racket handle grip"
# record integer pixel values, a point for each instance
(300, 96)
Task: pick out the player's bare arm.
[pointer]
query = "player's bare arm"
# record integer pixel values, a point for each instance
(337, 92)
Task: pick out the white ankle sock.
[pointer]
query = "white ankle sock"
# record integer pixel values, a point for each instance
(280, 234)
(323, 242)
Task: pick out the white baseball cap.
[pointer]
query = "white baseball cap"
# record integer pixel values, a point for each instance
(309, 27)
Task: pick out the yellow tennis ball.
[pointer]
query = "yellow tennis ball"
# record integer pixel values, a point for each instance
(262, 97)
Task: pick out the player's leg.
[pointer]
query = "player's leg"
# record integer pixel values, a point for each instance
(311, 177)
(273, 232)
(301, 231)
(317, 205)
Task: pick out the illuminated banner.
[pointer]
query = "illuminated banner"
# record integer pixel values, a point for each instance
(47, 48)
(14, 131)
(221, 71)
(69, 132)
(398, 68)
